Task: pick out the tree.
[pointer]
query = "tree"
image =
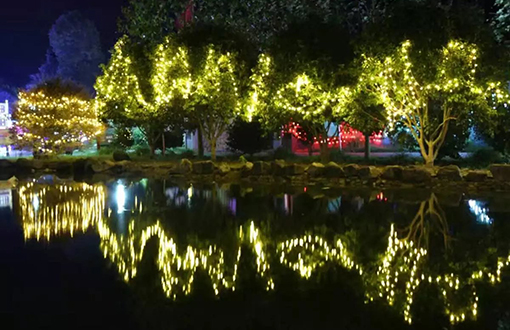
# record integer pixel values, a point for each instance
(53, 116)
(76, 45)
(501, 22)
(145, 90)
(365, 114)
(150, 21)
(248, 136)
(215, 97)
(426, 103)
(314, 106)
(46, 71)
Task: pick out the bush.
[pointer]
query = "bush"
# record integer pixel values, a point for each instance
(142, 150)
(248, 137)
(485, 157)
(283, 153)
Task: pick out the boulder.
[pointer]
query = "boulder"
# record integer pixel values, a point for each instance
(416, 175)
(278, 167)
(368, 172)
(98, 166)
(351, 170)
(295, 169)
(450, 173)
(120, 155)
(316, 170)
(261, 168)
(222, 168)
(5, 163)
(392, 173)
(500, 172)
(333, 170)
(476, 176)
(203, 167)
(185, 166)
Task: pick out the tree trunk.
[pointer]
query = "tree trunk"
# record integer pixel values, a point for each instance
(213, 149)
(163, 144)
(367, 146)
(98, 143)
(200, 142)
(324, 152)
(310, 149)
(153, 148)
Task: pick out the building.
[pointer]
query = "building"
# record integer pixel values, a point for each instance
(5, 126)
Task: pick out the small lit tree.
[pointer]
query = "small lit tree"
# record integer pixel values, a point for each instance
(53, 116)
(426, 103)
(214, 100)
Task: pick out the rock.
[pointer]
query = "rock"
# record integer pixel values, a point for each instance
(120, 155)
(500, 172)
(315, 170)
(222, 168)
(203, 167)
(351, 170)
(5, 163)
(261, 168)
(416, 175)
(99, 166)
(450, 173)
(295, 169)
(392, 173)
(186, 166)
(278, 167)
(24, 165)
(333, 170)
(368, 172)
(476, 176)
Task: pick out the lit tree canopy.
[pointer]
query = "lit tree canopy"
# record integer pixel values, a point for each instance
(215, 97)
(53, 116)
(314, 106)
(426, 104)
(502, 20)
(122, 98)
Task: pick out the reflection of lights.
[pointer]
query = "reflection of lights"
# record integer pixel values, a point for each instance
(478, 209)
(190, 193)
(6, 198)
(120, 197)
(380, 197)
(35, 203)
(395, 277)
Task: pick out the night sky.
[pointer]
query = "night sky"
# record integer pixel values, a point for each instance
(24, 27)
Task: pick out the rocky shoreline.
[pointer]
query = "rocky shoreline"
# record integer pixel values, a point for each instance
(495, 178)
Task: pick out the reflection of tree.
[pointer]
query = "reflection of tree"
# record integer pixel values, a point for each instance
(430, 216)
(396, 276)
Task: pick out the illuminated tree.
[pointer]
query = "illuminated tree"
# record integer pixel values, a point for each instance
(426, 103)
(365, 114)
(314, 106)
(127, 94)
(53, 116)
(215, 100)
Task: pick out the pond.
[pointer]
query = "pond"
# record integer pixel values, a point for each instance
(154, 254)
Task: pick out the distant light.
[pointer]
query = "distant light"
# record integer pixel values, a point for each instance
(35, 203)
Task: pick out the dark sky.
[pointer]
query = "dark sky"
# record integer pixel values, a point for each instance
(24, 27)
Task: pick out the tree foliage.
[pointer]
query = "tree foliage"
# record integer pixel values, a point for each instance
(134, 89)
(76, 47)
(427, 103)
(501, 21)
(53, 116)
(215, 99)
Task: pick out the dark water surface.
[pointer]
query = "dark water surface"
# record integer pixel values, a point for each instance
(156, 255)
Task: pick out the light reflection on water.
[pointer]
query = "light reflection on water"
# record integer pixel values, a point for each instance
(118, 214)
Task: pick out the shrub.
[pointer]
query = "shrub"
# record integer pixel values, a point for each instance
(485, 157)
(248, 137)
